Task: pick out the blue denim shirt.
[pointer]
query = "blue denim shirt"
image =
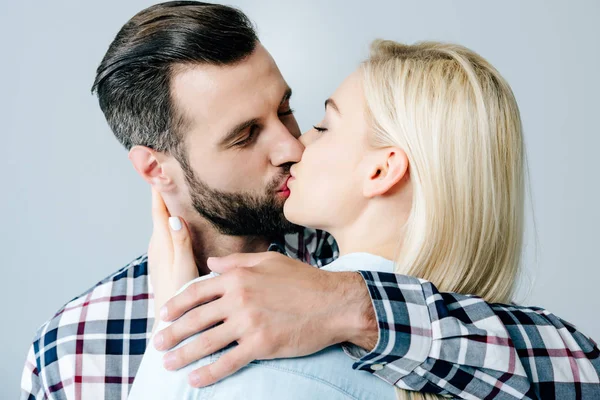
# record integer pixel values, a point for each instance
(327, 374)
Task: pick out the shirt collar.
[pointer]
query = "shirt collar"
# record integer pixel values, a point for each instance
(278, 245)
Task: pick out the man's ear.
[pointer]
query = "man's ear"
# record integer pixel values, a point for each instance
(389, 166)
(150, 164)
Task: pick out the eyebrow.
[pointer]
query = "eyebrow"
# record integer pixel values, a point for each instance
(330, 102)
(242, 126)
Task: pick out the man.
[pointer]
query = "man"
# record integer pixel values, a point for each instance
(199, 103)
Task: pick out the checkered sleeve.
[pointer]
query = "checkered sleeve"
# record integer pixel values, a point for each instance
(31, 387)
(461, 346)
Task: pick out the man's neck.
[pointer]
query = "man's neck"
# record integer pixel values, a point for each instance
(207, 242)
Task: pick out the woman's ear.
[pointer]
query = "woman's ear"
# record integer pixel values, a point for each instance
(389, 166)
(150, 165)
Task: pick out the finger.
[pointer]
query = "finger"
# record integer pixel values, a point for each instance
(195, 294)
(224, 264)
(160, 215)
(192, 322)
(206, 343)
(229, 363)
(183, 252)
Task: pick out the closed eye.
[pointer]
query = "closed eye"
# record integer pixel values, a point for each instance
(254, 131)
(286, 113)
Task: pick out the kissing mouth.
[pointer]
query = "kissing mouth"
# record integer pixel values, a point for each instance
(284, 186)
(284, 190)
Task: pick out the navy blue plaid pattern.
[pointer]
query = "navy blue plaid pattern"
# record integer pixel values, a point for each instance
(442, 343)
(470, 349)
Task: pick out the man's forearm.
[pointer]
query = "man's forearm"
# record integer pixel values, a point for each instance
(356, 322)
(456, 344)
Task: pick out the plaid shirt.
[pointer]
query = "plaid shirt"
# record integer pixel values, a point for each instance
(443, 343)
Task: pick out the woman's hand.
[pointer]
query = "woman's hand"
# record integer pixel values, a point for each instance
(170, 254)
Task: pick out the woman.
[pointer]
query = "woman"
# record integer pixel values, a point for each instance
(417, 168)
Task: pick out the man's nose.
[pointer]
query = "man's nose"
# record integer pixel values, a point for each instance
(287, 149)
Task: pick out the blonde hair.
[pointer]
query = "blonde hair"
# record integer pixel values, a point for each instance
(458, 122)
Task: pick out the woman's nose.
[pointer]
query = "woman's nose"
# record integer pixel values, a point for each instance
(307, 137)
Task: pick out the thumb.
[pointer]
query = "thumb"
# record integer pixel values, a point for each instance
(227, 263)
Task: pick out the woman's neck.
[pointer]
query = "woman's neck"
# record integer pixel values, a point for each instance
(373, 232)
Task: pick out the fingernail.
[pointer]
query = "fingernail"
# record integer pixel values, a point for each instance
(194, 379)
(163, 313)
(169, 360)
(158, 341)
(175, 223)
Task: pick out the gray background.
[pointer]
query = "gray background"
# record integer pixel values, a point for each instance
(73, 210)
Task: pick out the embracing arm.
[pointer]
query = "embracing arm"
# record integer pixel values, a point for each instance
(460, 345)
(420, 339)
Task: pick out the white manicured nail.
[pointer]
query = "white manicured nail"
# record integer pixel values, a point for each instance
(175, 223)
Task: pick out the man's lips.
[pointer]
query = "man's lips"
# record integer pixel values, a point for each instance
(284, 187)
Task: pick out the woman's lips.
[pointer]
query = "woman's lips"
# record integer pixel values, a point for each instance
(290, 180)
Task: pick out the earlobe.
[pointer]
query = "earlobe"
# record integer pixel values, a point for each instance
(148, 165)
(390, 169)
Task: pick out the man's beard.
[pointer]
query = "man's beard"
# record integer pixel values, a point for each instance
(241, 214)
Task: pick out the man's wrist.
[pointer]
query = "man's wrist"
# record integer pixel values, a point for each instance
(357, 322)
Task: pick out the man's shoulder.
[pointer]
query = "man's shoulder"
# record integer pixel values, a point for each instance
(113, 287)
(103, 315)
(312, 246)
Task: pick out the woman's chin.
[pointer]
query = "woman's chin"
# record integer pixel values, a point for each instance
(291, 211)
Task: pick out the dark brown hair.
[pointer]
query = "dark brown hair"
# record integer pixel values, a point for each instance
(133, 79)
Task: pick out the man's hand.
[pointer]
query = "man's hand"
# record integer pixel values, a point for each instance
(277, 308)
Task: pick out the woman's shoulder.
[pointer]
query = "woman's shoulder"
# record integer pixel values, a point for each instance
(327, 374)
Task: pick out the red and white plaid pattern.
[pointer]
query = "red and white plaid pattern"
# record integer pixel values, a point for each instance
(429, 341)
